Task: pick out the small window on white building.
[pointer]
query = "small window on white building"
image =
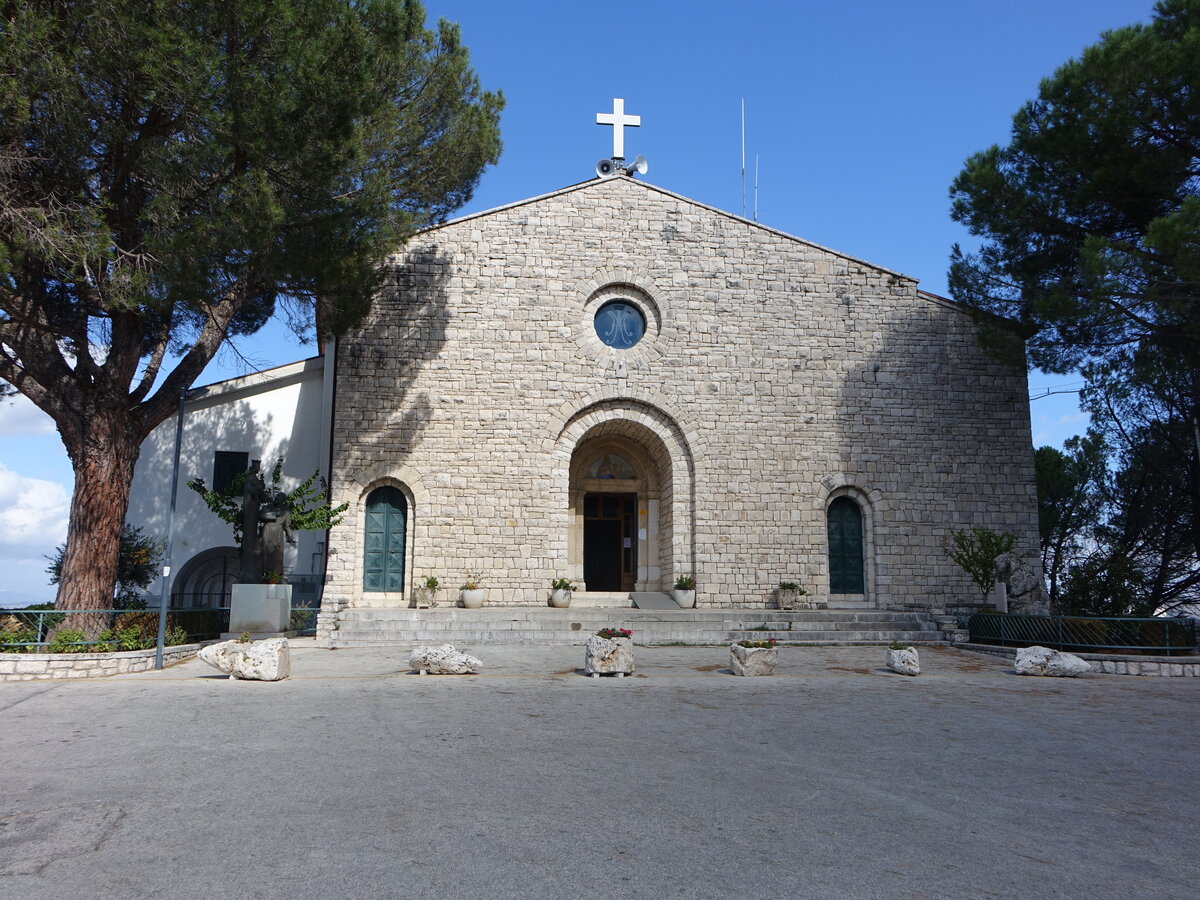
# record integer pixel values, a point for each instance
(228, 465)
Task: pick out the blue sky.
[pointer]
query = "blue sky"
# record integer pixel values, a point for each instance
(860, 116)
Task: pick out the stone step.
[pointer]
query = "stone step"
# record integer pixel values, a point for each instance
(461, 641)
(506, 629)
(536, 625)
(537, 614)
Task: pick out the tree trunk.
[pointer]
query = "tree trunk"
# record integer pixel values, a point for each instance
(103, 451)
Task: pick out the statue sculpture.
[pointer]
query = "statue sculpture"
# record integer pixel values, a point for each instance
(267, 517)
(1026, 596)
(266, 524)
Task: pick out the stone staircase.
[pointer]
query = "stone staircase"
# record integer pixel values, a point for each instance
(374, 627)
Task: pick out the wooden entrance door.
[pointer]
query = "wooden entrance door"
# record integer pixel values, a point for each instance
(609, 541)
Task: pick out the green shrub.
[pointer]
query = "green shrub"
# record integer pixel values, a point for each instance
(70, 640)
(976, 550)
(175, 637)
(13, 641)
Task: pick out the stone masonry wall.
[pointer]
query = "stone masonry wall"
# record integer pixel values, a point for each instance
(34, 666)
(774, 376)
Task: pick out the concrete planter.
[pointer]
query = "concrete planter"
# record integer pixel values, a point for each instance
(753, 660)
(685, 599)
(473, 598)
(560, 599)
(424, 598)
(789, 599)
(608, 656)
(264, 610)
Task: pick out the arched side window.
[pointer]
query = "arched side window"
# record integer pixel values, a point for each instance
(844, 528)
(383, 541)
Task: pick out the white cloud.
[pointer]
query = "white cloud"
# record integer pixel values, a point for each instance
(1072, 418)
(33, 515)
(19, 416)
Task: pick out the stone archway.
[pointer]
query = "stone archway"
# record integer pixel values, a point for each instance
(620, 509)
(206, 580)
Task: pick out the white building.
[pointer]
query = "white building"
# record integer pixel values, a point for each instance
(280, 412)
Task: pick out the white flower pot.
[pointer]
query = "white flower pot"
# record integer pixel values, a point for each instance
(685, 599)
(560, 599)
(473, 599)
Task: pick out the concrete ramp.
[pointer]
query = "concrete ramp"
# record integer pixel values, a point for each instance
(653, 600)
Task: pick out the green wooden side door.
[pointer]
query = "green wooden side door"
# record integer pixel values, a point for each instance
(383, 542)
(844, 530)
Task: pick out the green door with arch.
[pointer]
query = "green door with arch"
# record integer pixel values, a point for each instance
(845, 533)
(383, 541)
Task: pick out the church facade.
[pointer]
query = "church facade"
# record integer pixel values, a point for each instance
(620, 386)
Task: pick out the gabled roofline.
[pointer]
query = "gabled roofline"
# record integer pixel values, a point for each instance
(1002, 321)
(255, 382)
(593, 182)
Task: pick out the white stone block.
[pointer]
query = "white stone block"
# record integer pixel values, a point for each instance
(1044, 661)
(443, 660)
(269, 660)
(752, 660)
(608, 656)
(904, 661)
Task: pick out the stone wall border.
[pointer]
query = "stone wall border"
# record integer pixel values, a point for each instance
(35, 666)
(1115, 663)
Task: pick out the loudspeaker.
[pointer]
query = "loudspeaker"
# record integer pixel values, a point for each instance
(605, 168)
(640, 165)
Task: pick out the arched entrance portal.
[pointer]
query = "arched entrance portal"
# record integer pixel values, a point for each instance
(620, 509)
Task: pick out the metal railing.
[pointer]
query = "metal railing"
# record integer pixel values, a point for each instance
(1086, 633)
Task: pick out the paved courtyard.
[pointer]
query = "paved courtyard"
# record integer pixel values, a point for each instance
(834, 778)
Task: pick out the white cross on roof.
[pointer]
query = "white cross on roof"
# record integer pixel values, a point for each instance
(618, 120)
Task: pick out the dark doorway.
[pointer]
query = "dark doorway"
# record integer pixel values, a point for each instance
(610, 542)
(844, 529)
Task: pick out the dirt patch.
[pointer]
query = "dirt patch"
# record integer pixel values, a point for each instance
(708, 668)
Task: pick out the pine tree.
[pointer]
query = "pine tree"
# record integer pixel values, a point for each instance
(170, 173)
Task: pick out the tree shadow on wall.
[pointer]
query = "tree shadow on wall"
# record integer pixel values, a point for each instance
(940, 427)
(378, 417)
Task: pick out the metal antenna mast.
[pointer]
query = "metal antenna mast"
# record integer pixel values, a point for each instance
(743, 157)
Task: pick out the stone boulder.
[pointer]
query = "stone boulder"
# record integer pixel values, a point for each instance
(904, 661)
(1044, 661)
(608, 656)
(443, 660)
(753, 660)
(269, 660)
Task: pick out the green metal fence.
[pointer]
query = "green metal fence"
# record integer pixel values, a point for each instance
(1086, 633)
(98, 630)
(30, 630)
(304, 620)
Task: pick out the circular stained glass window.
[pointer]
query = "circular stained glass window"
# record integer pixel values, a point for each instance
(620, 324)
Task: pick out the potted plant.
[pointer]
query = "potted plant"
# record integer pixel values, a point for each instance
(472, 594)
(788, 594)
(685, 591)
(609, 652)
(753, 657)
(426, 597)
(560, 592)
